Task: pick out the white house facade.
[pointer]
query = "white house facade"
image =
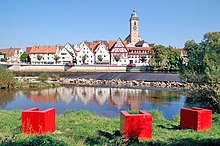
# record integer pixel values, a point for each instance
(102, 55)
(85, 55)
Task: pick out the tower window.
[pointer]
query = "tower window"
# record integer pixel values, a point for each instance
(134, 23)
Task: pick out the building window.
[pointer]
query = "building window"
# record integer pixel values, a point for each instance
(63, 54)
(91, 56)
(104, 56)
(134, 23)
(63, 57)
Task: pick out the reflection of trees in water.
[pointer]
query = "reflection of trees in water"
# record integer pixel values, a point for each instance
(6, 96)
(203, 99)
(161, 97)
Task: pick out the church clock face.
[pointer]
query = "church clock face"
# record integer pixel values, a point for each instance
(134, 27)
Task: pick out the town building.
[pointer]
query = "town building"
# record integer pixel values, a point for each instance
(67, 55)
(101, 52)
(11, 55)
(42, 54)
(85, 55)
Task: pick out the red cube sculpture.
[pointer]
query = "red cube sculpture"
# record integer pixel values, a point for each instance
(195, 118)
(136, 125)
(38, 122)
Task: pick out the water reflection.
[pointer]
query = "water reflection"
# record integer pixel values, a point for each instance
(101, 100)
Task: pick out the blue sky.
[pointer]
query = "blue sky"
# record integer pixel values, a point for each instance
(54, 22)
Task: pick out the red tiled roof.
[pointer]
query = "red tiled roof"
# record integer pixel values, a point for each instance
(139, 48)
(43, 49)
(9, 52)
(28, 49)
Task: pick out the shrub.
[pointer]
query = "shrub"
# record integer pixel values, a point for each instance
(43, 77)
(6, 77)
(55, 77)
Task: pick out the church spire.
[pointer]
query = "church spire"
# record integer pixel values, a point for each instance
(134, 14)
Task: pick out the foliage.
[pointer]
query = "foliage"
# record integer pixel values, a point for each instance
(56, 58)
(4, 59)
(117, 57)
(27, 85)
(39, 57)
(55, 76)
(84, 128)
(25, 57)
(6, 77)
(43, 77)
(85, 56)
(165, 58)
(133, 111)
(143, 59)
(100, 58)
(203, 60)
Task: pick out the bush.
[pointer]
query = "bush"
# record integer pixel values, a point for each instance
(6, 77)
(43, 77)
(55, 77)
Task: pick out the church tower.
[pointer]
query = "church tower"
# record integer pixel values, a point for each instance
(134, 28)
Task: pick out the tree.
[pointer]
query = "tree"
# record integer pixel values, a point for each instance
(165, 58)
(100, 58)
(117, 57)
(3, 59)
(203, 60)
(56, 58)
(6, 77)
(143, 59)
(24, 57)
(84, 58)
(39, 57)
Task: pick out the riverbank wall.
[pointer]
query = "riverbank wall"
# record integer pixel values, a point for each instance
(62, 68)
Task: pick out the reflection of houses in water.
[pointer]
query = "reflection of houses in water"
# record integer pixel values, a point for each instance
(136, 97)
(48, 95)
(85, 94)
(101, 95)
(67, 94)
(118, 97)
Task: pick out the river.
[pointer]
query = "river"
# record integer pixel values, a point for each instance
(105, 101)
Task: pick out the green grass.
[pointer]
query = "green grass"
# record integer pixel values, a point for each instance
(35, 85)
(84, 128)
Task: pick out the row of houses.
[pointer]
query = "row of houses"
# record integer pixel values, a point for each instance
(90, 53)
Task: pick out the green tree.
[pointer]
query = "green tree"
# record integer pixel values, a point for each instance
(100, 58)
(165, 58)
(203, 60)
(39, 57)
(84, 58)
(117, 57)
(24, 57)
(56, 58)
(143, 59)
(6, 77)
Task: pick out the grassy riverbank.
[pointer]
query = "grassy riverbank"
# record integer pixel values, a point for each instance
(84, 128)
(27, 85)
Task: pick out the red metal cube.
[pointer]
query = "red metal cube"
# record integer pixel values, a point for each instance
(136, 125)
(195, 118)
(38, 122)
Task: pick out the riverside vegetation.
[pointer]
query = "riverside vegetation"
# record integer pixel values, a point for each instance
(84, 128)
(8, 80)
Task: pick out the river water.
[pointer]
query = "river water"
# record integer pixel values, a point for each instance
(105, 101)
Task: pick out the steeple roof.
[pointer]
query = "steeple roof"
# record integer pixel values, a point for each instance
(134, 14)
